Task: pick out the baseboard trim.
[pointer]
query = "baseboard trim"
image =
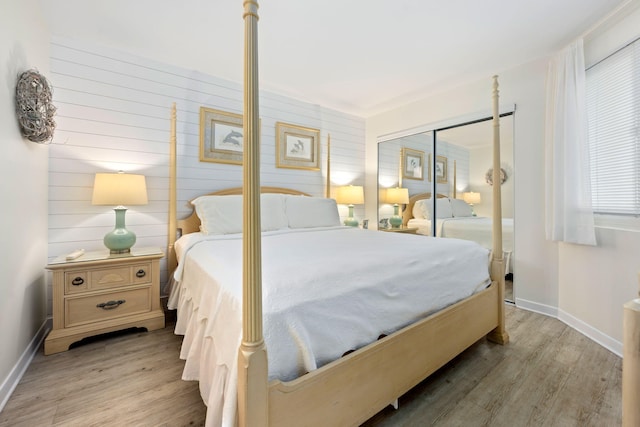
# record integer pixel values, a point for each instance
(592, 333)
(536, 307)
(11, 382)
(584, 328)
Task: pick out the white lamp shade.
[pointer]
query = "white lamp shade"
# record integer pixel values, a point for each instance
(118, 189)
(350, 195)
(471, 197)
(397, 195)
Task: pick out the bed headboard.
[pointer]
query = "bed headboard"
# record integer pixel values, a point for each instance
(191, 224)
(407, 214)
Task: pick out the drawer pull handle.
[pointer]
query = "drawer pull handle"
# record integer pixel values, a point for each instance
(110, 305)
(141, 273)
(77, 281)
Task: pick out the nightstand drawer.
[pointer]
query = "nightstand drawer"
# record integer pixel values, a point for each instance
(107, 278)
(75, 281)
(99, 292)
(96, 308)
(141, 273)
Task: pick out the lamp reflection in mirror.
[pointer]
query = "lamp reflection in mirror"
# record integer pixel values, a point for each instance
(350, 195)
(472, 198)
(119, 189)
(397, 196)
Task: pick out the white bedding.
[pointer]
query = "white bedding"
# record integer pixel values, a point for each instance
(325, 291)
(477, 229)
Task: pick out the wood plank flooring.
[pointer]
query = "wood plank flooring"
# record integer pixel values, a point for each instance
(548, 375)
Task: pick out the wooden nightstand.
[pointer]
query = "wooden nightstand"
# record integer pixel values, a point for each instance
(408, 230)
(98, 293)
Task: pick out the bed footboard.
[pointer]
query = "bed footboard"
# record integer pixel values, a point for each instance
(354, 388)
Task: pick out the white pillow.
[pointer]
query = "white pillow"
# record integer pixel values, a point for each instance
(420, 209)
(443, 208)
(272, 212)
(307, 212)
(460, 208)
(223, 214)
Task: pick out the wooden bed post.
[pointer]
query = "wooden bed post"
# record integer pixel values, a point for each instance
(328, 189)
(499, 334)
(172, 262)
(252, 356)
(400, 166)
(455, 172)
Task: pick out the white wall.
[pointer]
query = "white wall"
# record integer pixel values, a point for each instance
(536, 263)
(24, 44)
(597, 281)
(481, 161)
(114, 114)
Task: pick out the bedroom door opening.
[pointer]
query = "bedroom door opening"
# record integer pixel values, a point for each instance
(453, 162)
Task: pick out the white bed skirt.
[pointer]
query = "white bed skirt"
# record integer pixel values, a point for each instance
(202, 362)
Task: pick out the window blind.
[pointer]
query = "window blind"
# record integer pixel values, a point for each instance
(613, 114)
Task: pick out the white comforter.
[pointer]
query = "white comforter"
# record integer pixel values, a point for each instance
(477, 229)
(325, 291)
(473, 228)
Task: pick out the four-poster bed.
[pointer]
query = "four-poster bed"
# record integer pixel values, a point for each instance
(350, 389)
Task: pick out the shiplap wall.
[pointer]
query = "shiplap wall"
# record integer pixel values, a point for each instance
(114, 114)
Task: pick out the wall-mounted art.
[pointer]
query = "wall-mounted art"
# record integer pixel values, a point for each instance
(441, 169)
(221, 136)
(297, 147)
(412, 164)
(488, 177)
(34, 107)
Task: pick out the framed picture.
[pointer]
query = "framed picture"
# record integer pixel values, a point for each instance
(297, 147)
(441, 169)
(412, 164)
(221, 136)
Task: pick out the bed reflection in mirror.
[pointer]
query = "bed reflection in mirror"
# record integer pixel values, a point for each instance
(459, 174)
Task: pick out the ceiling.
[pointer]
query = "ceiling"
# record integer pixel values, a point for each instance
(357, 56)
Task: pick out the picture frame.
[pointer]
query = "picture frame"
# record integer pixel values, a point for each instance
(221, 136)
(297, 147)
(441, 169)
(412, 164)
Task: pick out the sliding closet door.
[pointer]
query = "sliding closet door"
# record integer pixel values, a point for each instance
(455, 164)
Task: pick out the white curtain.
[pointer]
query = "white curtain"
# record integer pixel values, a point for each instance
(568, 212)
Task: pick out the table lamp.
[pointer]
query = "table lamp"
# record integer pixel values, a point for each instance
(397, 196)
(350, 195)
(471, 198)
(119, 189)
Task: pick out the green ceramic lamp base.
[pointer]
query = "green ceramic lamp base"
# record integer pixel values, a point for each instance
(396, 219)
(351, 221)
(119, 240)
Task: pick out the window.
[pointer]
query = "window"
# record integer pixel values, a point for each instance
(613, 111)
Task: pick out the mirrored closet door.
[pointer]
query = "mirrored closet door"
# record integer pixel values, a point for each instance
(455, 164)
